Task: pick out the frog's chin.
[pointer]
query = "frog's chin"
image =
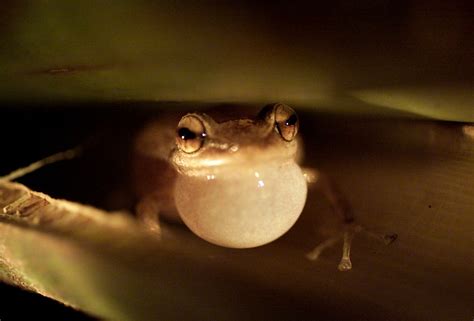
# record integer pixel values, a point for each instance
(242, 208)
(218, 168)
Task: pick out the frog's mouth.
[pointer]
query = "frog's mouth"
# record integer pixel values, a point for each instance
(234, 158)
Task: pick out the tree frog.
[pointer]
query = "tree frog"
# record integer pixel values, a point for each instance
(236, 183)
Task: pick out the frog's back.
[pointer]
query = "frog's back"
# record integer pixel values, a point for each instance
(152, 174)
(156, 138)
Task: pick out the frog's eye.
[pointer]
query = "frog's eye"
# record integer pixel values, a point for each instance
(190, 134)
(286, 122)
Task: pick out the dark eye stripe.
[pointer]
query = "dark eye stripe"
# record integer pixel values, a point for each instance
(186, 134)
(292, 120)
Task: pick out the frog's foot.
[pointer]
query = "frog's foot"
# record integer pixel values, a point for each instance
(347, 236)
(345, 264)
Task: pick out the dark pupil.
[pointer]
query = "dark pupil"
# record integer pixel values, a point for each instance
(291, 121)
(186, 134)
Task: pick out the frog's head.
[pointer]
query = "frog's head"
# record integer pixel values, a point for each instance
(239, 185)
(204, 145)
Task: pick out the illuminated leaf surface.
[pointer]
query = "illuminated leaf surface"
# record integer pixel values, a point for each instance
(308, 55)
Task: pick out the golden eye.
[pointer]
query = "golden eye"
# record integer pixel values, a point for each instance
(190, 134)
(286, 121)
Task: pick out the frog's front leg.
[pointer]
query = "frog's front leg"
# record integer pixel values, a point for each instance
(342, 207)
(147, 211)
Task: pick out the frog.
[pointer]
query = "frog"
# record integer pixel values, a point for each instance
(236, 183)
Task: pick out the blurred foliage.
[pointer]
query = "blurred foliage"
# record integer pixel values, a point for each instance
(307, 54)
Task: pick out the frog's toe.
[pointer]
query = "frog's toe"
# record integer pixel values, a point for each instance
(345, 265)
